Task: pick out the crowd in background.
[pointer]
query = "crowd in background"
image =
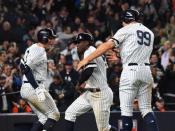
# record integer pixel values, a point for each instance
(21, 19)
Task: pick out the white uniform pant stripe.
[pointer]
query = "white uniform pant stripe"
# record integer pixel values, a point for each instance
(135, 82)
(100, 102)
(47, 107)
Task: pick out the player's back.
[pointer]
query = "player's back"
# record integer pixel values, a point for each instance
(137, 43)
(35, 57)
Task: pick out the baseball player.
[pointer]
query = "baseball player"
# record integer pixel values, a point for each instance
(97, 95)
(34, 67)
(135, 42)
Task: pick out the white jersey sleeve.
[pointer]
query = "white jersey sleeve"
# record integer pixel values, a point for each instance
(119, 37)
(90, 50)
(33, 56)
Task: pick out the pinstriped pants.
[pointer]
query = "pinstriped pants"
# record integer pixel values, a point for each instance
(45, 109)
(135, 82)
(100, 102)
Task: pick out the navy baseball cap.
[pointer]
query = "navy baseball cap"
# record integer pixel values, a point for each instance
(84, 37)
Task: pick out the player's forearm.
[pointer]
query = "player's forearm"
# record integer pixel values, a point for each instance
(100, 50)
(85, 75)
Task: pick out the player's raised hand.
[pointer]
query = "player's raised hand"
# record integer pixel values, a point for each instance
(40, 93)
(111, 57)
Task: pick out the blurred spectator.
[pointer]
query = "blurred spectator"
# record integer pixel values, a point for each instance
(155, 62)
(20, 107)
(167, 83)
(51, 72)
(6, 101)
(172, 53)
(12, 53)
(157, 77)
(114, 69)
(27, 39)
(4, 105)
(71, 49)
(114, 85)
(6, 33)
(160, 105)
(69, 73)
(64, 37)
(170, 29)
(62, 92)
(150, 13)
(166, 54)
(136, 105)
(75, 64)
(3, 58)
(124, 5)
(76, 24)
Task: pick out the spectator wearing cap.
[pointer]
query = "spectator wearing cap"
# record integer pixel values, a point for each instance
(69, 73)
(62, 92)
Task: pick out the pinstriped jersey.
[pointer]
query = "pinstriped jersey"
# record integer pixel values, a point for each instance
(135, 42)
(35, 57)
(98, 78)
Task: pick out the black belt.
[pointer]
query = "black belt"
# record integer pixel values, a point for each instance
(135, 64)
(93, 90)
(39, 82)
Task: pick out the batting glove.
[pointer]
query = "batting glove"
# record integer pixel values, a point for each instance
(40, 93)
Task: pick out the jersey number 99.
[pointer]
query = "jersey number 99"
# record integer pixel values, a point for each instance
(144, 38)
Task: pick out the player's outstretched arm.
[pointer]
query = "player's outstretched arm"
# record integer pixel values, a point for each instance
(98, 52)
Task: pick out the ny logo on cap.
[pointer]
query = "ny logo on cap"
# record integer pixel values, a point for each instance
(128, 14)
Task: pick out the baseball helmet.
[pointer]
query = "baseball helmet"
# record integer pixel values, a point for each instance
(44, 35)
(130, 15)
(85, 37)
